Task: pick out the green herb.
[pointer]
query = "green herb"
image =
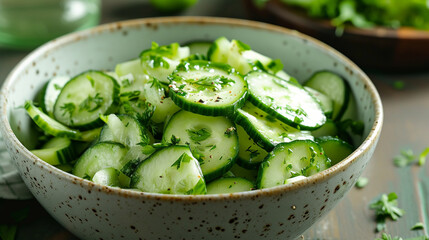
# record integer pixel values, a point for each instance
(253, 153)
(418, 226)
(198, 135)
(130, 96)
(91, 104)
(398, 85)
(184, 158)
(68, 108)
(212, 147)
(405, 158)
(366, 14)
(126, 83)
(362, 182)
(386, 236)
(212, 82)
(156, 54)
(91, 80)
(386, 206)
(57, 87)
(275, 65)
(174, 140)
(422, 156)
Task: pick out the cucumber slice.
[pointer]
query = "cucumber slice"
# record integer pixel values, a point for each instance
(285, 100)
(170, 170)
(206, 88)
(250, 154)
(325, 102)
(328, 129)
(134, 157)
(331, 85)
(229, 185)
(111, 177)
(242, 58)
(99, 156)
(84, 98)
(249, 174)
(160, 61)
(50, 92)
(130, 71)
(213, 140)
(287, 160)
(199, 47)
(335, 148)
(124, 129)
(265, 130)
(56, 151)
(50, 125)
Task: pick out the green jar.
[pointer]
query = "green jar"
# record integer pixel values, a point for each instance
(26, 24)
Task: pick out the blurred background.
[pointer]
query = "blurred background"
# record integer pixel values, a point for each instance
(390, 42)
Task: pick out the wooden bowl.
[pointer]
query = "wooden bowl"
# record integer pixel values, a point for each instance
(402, 49)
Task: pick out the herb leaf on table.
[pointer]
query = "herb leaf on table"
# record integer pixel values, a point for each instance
(386, 206)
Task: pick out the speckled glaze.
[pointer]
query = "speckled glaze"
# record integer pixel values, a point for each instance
(92, 211)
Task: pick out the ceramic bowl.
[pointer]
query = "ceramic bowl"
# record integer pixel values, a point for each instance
(92, 211)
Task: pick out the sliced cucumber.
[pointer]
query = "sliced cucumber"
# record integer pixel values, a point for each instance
(229, 185)
(160, 61)
(111, 177)
(285, 100)
(328, 129)
(287, 160)
(170, 170)
(333, 86)
(99, 156)
(199, 47)
(124, 129)
(134, 157)
(249, 174)
(241, 57)
(325, 102)
(50, 125)
(213, 140)
(130, 71)
(335, 148)
(50, 92)
(56, 151)
(84, 98)
(265, 130)
(211, 89)
(250, 154)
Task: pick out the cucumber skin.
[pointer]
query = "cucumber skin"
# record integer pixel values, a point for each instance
(199, 108)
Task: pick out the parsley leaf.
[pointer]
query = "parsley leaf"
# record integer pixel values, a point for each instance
(405, 158)
(362, 182)
(386, 206)
(422, 156)
(418, 226)
(198, 135)
(91, 104)
(184, 158)
(68, 108)
(214, 83)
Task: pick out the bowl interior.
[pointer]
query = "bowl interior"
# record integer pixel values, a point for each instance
(105, 46)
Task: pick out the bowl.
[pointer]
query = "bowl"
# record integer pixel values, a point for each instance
(92, 211)
(379, 48)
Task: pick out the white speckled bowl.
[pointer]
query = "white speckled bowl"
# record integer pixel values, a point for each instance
(92, 211)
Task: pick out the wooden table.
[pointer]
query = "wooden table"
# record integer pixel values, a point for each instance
(405, 126)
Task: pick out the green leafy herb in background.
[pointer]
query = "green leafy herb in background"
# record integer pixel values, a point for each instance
(386, 236)
(386, 207)
(362, 182)
(418, 226)
(405, 158)
(366, 13)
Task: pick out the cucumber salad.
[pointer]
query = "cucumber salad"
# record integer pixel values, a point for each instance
(202, 118)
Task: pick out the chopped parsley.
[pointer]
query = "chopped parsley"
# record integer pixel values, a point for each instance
(422, 156)
(68, 108)
(91, 104)
(198, 135)
(253, 153)
(386, 207)
(405, 158)
(418, 226)
(184, 158)
(214, 83)
(174, 140)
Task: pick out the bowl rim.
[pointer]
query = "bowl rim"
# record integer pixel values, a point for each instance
(152, 22)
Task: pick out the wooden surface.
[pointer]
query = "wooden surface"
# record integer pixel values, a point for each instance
(405, 126)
